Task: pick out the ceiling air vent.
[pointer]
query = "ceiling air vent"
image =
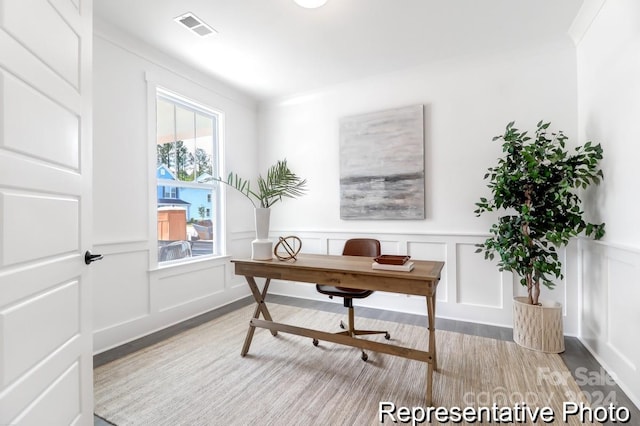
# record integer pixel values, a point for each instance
(195, 24)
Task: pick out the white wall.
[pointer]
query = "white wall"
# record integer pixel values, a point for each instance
(467, 102)
(132, 297)
(609, 107)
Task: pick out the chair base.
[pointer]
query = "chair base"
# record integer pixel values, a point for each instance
(351, 331)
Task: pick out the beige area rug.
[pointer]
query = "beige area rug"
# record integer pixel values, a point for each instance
(199, 378)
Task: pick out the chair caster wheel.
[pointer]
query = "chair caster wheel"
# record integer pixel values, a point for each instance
(315, 342)
(387, 336)
(365, 357)
(342, 326)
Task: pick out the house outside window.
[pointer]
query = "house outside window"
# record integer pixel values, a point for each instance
(187, 158)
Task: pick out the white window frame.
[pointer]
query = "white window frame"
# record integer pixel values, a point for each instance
(218, 201)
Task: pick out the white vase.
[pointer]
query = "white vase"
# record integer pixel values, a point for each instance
(538, 327)
(262, 247)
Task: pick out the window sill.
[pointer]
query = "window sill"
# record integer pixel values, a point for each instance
(198, 263)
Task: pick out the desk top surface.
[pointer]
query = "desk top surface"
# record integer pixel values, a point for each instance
(342, 270)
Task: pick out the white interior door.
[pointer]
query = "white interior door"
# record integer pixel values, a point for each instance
(45, 212)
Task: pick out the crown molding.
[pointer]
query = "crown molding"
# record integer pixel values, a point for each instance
(583, 20)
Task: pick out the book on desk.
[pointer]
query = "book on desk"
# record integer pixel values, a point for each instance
(407, 267)
(393, 263)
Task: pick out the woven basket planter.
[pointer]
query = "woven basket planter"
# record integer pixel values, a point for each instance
(538, 327)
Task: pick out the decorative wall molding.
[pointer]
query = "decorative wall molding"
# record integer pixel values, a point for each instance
(584, 18)
(471, 288)
(609, 294)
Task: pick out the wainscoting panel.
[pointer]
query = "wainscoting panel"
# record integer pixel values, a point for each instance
(594, 291)
(479, 281)
(427, 250)
(121, 287)
(610, 291)
(312, 245)
(432, 251)
(622, 297)
(173, 289)
(240, 246)
(333, 246)
(470, 289)
(131, 300)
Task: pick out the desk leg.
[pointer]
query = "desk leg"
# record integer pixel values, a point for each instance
(261, 307)
(431, 313)
(432, 363)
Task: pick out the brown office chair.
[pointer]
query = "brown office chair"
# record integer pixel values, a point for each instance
(354, 247)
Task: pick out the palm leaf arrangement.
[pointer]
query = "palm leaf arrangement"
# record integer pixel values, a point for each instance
(279, 183)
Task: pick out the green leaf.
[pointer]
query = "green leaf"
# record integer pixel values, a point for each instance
(536, 180)
(280, 182)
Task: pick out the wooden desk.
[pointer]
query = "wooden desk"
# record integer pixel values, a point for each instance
(352, 272)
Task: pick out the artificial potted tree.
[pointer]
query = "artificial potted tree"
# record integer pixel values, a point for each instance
(279, 183)
(534, 188)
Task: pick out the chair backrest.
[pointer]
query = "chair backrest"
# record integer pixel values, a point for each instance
(361, 247)
(174, 250)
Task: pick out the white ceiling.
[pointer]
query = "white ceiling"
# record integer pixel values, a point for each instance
(274, 48)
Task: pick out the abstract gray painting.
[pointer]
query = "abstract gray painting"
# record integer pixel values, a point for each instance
(382, 165)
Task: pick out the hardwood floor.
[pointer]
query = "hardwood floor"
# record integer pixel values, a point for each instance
(595, 383)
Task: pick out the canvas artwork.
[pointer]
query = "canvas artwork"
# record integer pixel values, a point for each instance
(382, 165)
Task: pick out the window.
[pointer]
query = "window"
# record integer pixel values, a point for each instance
(170, 192)
(187, 158)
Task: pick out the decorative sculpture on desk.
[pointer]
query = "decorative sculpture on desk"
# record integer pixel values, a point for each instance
(289, 247)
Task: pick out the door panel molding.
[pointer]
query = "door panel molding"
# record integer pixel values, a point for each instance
(52, 319)
(38, 35)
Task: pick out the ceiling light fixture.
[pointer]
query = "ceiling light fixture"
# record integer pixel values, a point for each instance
(310, 4)
(195, 24)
